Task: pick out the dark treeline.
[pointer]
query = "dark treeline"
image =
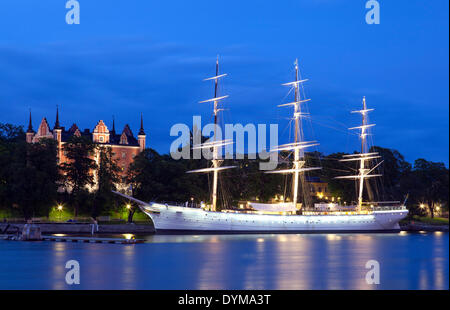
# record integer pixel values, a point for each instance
(32, 183)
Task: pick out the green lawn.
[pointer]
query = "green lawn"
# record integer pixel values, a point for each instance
(56, 215)
(65, 214)
(431, 221)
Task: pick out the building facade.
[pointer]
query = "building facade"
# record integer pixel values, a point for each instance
(317, 187)
(125, 146)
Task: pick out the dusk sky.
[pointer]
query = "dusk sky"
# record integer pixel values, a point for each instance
(133, 56)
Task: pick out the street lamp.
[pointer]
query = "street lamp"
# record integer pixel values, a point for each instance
(128, 206)
(59, 208)
(422, 206)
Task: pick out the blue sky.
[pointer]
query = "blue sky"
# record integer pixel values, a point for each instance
(128, 57)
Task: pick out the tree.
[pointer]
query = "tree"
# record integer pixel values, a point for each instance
(107, 176)
(79, 167)
(394, 169)
(247, 183)
(333, 167)
(9, 136)
(33, 178)
(142, 177)
(28, 173)
(161, 178)
(11, 133)
(429, 183)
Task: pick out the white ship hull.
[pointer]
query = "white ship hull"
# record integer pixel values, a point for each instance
(184, 219)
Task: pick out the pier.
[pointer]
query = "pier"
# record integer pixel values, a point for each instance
(77, 239)
(91, 239)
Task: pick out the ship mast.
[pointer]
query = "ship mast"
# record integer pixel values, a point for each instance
(215, 144)
(362, 157)
(297, 163)
(299, 145)
(362, 161)
(215, 160)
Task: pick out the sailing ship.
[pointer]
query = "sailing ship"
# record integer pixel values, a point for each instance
(281, 217)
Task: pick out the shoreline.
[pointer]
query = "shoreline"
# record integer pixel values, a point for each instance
(86, 228)
(82, 228)
(416, 227)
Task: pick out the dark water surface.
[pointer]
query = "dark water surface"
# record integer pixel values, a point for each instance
(323, 261)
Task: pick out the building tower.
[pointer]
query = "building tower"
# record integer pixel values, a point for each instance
(30, 132)
(113, 130)
(57, 130)
(141, 136)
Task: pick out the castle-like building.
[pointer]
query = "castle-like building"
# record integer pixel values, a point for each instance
(124, 145)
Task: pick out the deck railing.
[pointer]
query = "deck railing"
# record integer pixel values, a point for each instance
(388, 208)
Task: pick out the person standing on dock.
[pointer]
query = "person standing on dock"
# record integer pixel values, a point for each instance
(94, 227)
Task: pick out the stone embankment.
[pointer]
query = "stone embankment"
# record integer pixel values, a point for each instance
(81, 228)
(415, 227)
(87, 228)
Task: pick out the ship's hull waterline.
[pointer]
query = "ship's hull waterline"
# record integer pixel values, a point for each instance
(184, 219)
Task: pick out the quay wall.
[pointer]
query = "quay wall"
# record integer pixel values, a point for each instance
(83, 228)
(86, 228)
(423, 227)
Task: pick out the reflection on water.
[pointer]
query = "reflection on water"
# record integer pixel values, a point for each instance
(293, 261)
(58, 263)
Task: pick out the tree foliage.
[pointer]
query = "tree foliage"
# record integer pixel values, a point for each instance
(108, 176)
(29, 178)
(77, 170)
(28, 173)
(428, 183)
